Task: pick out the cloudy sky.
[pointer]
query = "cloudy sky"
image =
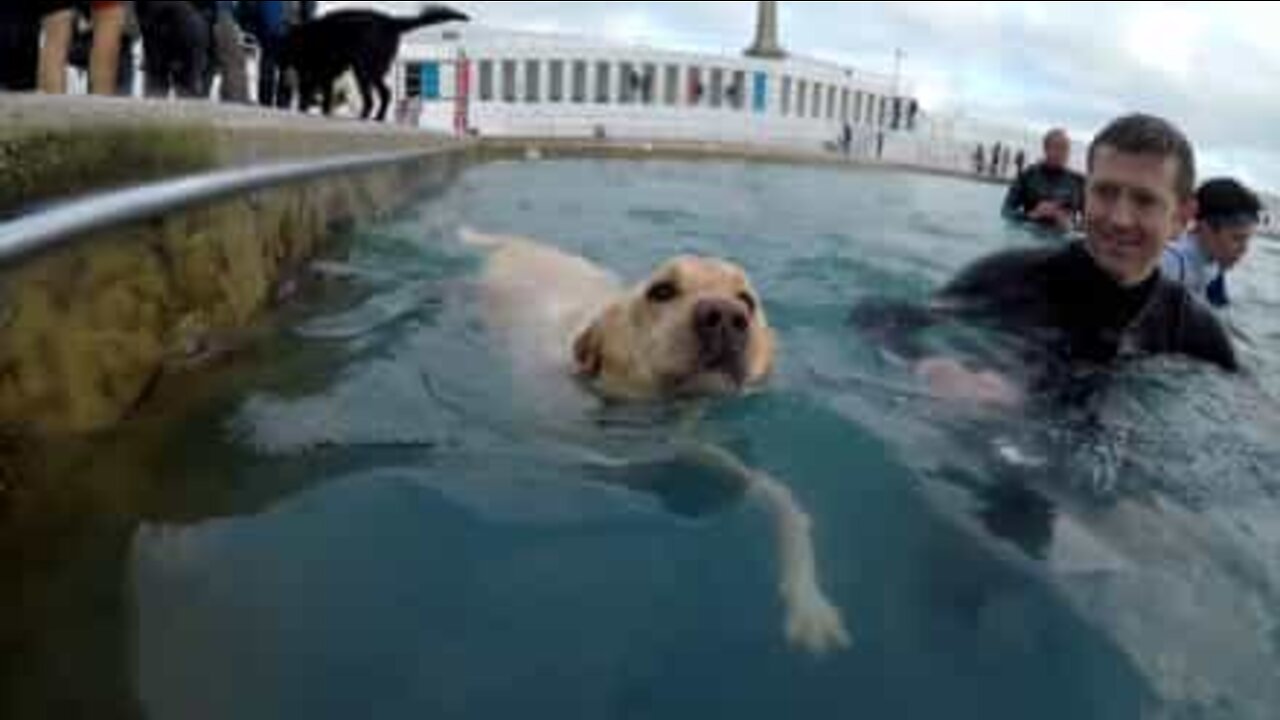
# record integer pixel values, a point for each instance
(1213, 67)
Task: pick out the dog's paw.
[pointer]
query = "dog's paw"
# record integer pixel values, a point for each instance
(814, 624)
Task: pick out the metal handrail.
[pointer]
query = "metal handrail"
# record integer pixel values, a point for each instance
(44, 230)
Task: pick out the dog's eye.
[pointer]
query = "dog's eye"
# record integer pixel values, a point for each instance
(663, 292)
(749, 301)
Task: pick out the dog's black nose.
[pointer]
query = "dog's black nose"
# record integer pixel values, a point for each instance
(722, 326)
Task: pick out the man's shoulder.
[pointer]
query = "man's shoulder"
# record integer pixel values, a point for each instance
(1003, 271)
(1200, 333)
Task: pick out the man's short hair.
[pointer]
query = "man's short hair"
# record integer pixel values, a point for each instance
(1054, 134)
(1149, 135)
(1224, 202)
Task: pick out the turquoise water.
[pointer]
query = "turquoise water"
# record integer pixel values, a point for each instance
(368, 518)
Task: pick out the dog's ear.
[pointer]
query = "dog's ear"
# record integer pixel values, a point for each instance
(588, 352)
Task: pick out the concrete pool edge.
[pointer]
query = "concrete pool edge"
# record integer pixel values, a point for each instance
(87, 326)
(532, 148)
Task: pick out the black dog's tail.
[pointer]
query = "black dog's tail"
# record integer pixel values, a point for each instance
(430, 15)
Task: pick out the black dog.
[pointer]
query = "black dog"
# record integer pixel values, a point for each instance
(363, 41)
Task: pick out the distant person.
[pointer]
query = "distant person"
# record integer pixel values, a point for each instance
(846, 139)
(1020, 161)
(1048, 193)
(19, 46)
(1227, 216)
(1067, 313)
(980, 160)
(58, 21)
(996, 153)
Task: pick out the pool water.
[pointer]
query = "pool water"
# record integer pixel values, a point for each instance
(368, 515)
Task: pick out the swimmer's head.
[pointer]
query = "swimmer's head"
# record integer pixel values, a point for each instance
(1139, 195)
(1227, 216)
(1057, 148)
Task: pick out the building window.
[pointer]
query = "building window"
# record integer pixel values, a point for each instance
(629, 80)
(647, 80)
(671, 89)
(486, 81)
(786, 95)
(844, 105)
(580, 81)
(509, 68)
(555, 93)
(871, 109)
(717, 87)
(802, 97)
(602, 82)
(815, 109)
(532, 81)
(696, 89)
(831, 102)
(884, 112)
(737, 91)
(413, 80)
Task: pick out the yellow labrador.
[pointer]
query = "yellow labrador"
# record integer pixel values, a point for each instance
(695, 328)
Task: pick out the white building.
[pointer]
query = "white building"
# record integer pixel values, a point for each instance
(472, 79)
(510, 84)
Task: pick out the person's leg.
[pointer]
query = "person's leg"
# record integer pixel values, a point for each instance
(192, 64)
(125, 75)
(268, 71)
(52, 71)
(230, 50)
(20, 48)
(287, 87)
(104, 59)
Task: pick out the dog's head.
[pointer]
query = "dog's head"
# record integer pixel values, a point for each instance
(696, 327)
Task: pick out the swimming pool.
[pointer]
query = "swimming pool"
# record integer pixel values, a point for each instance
(361, 518)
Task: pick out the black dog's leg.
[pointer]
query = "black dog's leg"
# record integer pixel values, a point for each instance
(384, 99)
(326, 99)
(306, 93)
(366, 94)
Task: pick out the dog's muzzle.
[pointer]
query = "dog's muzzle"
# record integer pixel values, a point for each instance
(723, 329)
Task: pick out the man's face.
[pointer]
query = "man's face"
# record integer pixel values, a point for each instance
(1057, 151)
(1132, 210)
(1226, 245)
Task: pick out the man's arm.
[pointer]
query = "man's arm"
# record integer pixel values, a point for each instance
(1015, 202)
(1204, 338)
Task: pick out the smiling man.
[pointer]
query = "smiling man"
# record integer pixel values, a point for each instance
(1092, 303)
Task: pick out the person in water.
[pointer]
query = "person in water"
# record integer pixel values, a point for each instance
(1227, 216)
(1090, 304)
(1048, 193)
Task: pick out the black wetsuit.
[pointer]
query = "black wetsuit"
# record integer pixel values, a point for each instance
(1060, 324)
(1061, 315)
(1040, 183)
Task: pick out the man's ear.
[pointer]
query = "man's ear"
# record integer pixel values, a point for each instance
(588, 352)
